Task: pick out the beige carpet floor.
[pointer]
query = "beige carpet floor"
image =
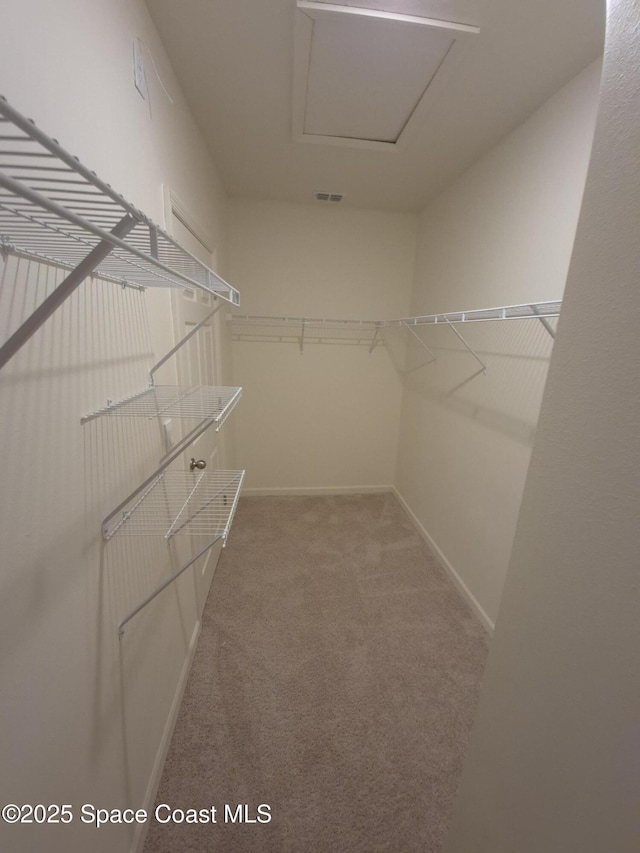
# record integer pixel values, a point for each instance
(335, 681)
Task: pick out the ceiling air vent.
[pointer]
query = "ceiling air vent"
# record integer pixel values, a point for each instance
(323, 196)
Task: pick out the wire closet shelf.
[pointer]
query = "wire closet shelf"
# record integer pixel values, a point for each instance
(528, 311)
(179, 502)
(199, 503)
(55, 210)
(205, 402)
(303, 330)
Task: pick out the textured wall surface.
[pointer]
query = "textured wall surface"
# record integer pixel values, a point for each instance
(501, 235)
(553, 762)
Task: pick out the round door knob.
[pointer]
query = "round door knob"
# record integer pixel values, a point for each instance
(200, 463)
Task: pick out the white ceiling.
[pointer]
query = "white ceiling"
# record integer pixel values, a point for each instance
(235, 61)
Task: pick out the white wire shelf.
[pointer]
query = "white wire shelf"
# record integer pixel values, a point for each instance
(199, 503)
(270, 320)
(305, 330)
(302, 330)
(532, 311)
(55, 210)
(529, 311)
(205, 402)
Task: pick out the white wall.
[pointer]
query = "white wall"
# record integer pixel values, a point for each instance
(327, 418)
(84, 714)
(500, 235)
(554, 755)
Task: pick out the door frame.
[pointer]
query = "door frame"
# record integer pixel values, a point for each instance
(175, 209)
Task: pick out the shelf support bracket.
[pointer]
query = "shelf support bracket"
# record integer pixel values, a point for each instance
(420, 341)
(63, 291)
(544, 321)
(167, 583)
(302, 336)
(466, 345)
(464, 382)
(181, 343)
(375, 339)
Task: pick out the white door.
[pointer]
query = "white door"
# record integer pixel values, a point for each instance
(198, 363)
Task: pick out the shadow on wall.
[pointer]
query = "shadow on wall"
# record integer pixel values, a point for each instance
(137, 670)
(63, 590)
(506, 398)
(119, 454)
(47, 525)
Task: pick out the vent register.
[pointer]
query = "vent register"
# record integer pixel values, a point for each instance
(325, 196)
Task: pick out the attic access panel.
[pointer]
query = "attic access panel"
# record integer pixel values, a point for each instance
(361, 74)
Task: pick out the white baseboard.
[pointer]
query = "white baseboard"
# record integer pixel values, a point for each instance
(163, 749)
(317, 490)
(369, 490)
(446, 565)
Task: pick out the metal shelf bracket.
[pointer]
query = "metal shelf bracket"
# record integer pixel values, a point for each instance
(181, 343)
(545, 323)
(466, 345)
(194, 506)
(433, 358)
(63, 290)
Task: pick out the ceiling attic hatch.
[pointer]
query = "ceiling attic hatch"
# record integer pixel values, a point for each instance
(360, 74)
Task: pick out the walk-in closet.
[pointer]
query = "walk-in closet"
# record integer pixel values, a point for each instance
(318, 415)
